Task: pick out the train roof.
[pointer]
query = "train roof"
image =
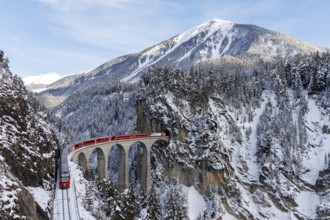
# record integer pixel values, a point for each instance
(64, 161)
(64, 166)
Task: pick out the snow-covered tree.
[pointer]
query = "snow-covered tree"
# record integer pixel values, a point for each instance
(153, 207)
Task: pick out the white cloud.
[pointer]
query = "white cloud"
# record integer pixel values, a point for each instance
(120, 30)
(80, 34)
(71, 5)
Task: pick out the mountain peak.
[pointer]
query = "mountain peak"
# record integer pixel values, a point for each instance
(210, 41)
(214, 23)
(209, 27)
(46, 79)
(219, 21)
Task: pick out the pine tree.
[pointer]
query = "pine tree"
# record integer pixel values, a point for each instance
(111, 199)
(4, 62)
(88, 202)
(303, 105)
(181, 204)
(176, 204)
(128, 209)
(170, 208)
(281, 89)
(320, 72)
(289, 76)
(298, 86)
(210, 211)
(153, 205)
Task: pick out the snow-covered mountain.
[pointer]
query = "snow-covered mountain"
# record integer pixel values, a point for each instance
(46, 79)
(252, 139)
(40, 82)
(255, 141)
(210, 41)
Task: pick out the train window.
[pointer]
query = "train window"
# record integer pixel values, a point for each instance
(65, 178)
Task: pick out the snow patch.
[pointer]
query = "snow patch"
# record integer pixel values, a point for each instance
(196, 202)
(319, 144)
(40, 195)
(308, 202)
(158, 52)
(80, 185)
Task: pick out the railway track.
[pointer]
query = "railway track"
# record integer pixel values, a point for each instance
(63, 209)
(66, 214)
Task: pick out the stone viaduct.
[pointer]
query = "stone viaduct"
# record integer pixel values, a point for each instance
(82, 157)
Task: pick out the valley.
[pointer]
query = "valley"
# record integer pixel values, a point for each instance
(245, 112)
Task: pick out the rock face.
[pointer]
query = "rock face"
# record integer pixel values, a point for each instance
(200, 172)
(200, 175)
(323, 180)
(27, 146)
(26, 206)
(144, 123)
(242, 137)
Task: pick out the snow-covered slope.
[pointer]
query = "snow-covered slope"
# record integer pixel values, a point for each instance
(216, 30)
(45, 79)
(211, 40)
(257, 138)
(27, 145)
(40, 82)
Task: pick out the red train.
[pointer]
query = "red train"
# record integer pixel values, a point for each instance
(64, 167)
(113, 138)
(64, 171)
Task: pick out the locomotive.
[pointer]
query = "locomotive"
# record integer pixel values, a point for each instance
(64, 171)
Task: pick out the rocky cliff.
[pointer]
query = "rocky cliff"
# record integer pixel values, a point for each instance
(27, 145)
(252, 137)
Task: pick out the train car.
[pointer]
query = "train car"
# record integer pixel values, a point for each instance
(102, 140)
(160, 134)
(77, 146)
(141, 135)
(123, 137)
(88, 142)
(64, 171)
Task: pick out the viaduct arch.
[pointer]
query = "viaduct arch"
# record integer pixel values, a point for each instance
(82, 157)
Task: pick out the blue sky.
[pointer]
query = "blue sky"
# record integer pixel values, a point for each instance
(70, 36)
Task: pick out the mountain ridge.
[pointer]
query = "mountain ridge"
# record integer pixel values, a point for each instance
(212, 40)
(47, 78)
